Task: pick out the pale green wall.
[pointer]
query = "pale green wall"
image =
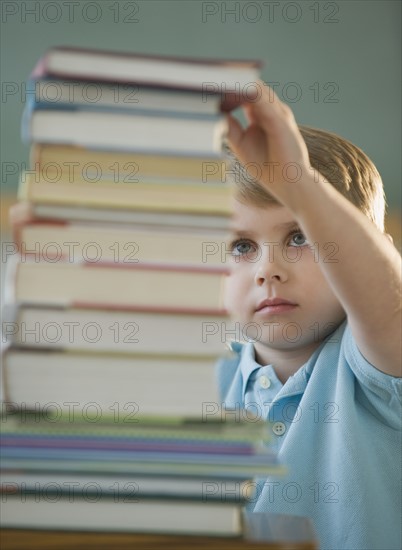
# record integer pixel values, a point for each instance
(360, 53)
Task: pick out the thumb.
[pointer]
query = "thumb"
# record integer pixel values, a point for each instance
(235, 135)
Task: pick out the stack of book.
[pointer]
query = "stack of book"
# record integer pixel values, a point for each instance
(114, 317)
(121, 268)
(182, 476)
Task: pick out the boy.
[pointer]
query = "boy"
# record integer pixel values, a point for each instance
(325, 366)
(321, 282)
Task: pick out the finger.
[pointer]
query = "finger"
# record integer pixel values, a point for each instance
(235, 132)
(267, 108)
(250, 113)
(241, 141)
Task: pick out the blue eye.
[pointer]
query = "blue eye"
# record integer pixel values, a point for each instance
(298, 239)
(242, 248)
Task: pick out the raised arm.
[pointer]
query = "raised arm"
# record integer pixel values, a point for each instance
(365, 271)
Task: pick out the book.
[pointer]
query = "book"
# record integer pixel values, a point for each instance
(207, 75)
(140, 286)
(48, 92)
(127, 443)
(54, 160)
(117, 331)
(148, 218)
(121, 243)
(131, 486)
(124, 397)
(163, 196)
(255, 465)
(115, 130)
(61, 512)
(217, 426)
(132, 385)
(159, 448)
(85, 442)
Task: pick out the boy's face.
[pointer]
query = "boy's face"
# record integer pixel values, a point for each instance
(272, 260)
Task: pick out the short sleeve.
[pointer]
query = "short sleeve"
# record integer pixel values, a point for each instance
(382, 391)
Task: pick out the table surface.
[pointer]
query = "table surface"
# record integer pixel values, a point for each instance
(12, 539)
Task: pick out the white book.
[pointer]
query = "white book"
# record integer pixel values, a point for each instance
(146, 516)
(149, 218)
(105, 384)
(117, 331)
(101, 95)
(127, 132)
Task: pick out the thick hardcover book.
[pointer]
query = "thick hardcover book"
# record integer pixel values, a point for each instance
(50, 92)
(118, 331)
(122, 243)
(206, 75)
(145, 218)
(130, 385)
(116, 130)
(146, 287)
(213, 198)
(111, 514)
(54, 161)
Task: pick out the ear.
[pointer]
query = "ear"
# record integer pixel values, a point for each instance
(389, 237)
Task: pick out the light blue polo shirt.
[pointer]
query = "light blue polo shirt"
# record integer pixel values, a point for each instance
(337, 428)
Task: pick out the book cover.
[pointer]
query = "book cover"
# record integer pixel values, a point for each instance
(114, 130)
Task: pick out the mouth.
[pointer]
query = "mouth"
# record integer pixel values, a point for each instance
(275, 305)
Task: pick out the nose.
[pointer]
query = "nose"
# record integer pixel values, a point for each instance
(271, 268)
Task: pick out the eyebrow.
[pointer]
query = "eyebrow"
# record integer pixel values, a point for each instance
(286, 225)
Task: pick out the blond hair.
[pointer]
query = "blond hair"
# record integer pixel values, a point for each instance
(343, 165)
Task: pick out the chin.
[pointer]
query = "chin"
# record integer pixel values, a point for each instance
(290, 338)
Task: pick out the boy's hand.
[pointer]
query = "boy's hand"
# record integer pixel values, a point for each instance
(272, 140)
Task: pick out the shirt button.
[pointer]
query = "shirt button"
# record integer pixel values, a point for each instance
(279, 428)
(265, 382)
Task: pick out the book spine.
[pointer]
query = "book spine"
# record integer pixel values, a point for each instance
(150, 196)
(26, 118)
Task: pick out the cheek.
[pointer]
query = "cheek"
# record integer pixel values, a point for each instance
(320, 292)
(310, 273)
(233, 290)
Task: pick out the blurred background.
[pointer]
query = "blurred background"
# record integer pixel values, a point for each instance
(336, 63)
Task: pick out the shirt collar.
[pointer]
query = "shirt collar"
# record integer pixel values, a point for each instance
(294, 385)
(248, 363)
